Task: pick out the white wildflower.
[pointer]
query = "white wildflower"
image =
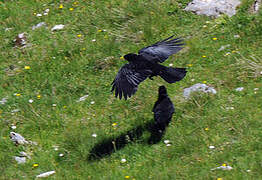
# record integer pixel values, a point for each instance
(211, 147)
(166, 141)
(123, 160)
(94, 135)
(30, 100)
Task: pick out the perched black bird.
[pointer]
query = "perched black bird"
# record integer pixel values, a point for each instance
(163, 110)
(146, 64)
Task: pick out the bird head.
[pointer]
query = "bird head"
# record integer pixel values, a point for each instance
(162, 90)
(130, 57)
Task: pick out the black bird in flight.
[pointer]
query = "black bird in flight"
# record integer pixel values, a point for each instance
(146, 64)
(163, 110)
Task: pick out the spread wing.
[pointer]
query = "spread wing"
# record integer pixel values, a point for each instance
(163, 49)
(127, 80)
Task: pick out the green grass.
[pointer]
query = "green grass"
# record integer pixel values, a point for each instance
(64, 67)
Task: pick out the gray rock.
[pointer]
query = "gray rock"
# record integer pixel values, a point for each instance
(213, 7)
(198, 87)
(18, 139)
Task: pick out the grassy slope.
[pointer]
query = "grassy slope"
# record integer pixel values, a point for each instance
(64, 67)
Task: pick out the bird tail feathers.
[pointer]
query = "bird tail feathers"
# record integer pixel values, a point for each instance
(172, 75)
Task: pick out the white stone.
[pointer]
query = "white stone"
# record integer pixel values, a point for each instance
(58, 27)
(46, 174)
(38, 25)
(213, 7)
(82, 98)
(20, 160)
(198, 87)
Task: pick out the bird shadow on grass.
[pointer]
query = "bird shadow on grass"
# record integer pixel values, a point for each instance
(111, 145)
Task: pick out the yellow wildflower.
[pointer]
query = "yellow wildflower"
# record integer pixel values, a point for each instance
(35, 165)
(190, 65)
(27, 67)
(61, 6)
(234, 51)
(206, 129)
(83, 49)
(122, 58)
(204, 56)
(64, 107)
(204, 82)
(75, 3)
(79, 35)
(127, 177)
(99, 30)
(114, 124)
(224, 164)
(71, 9)
(214, 38)
(38, 96)
(219, 178)
(17, 94)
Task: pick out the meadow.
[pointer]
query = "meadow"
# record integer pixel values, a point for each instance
(42, 81)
